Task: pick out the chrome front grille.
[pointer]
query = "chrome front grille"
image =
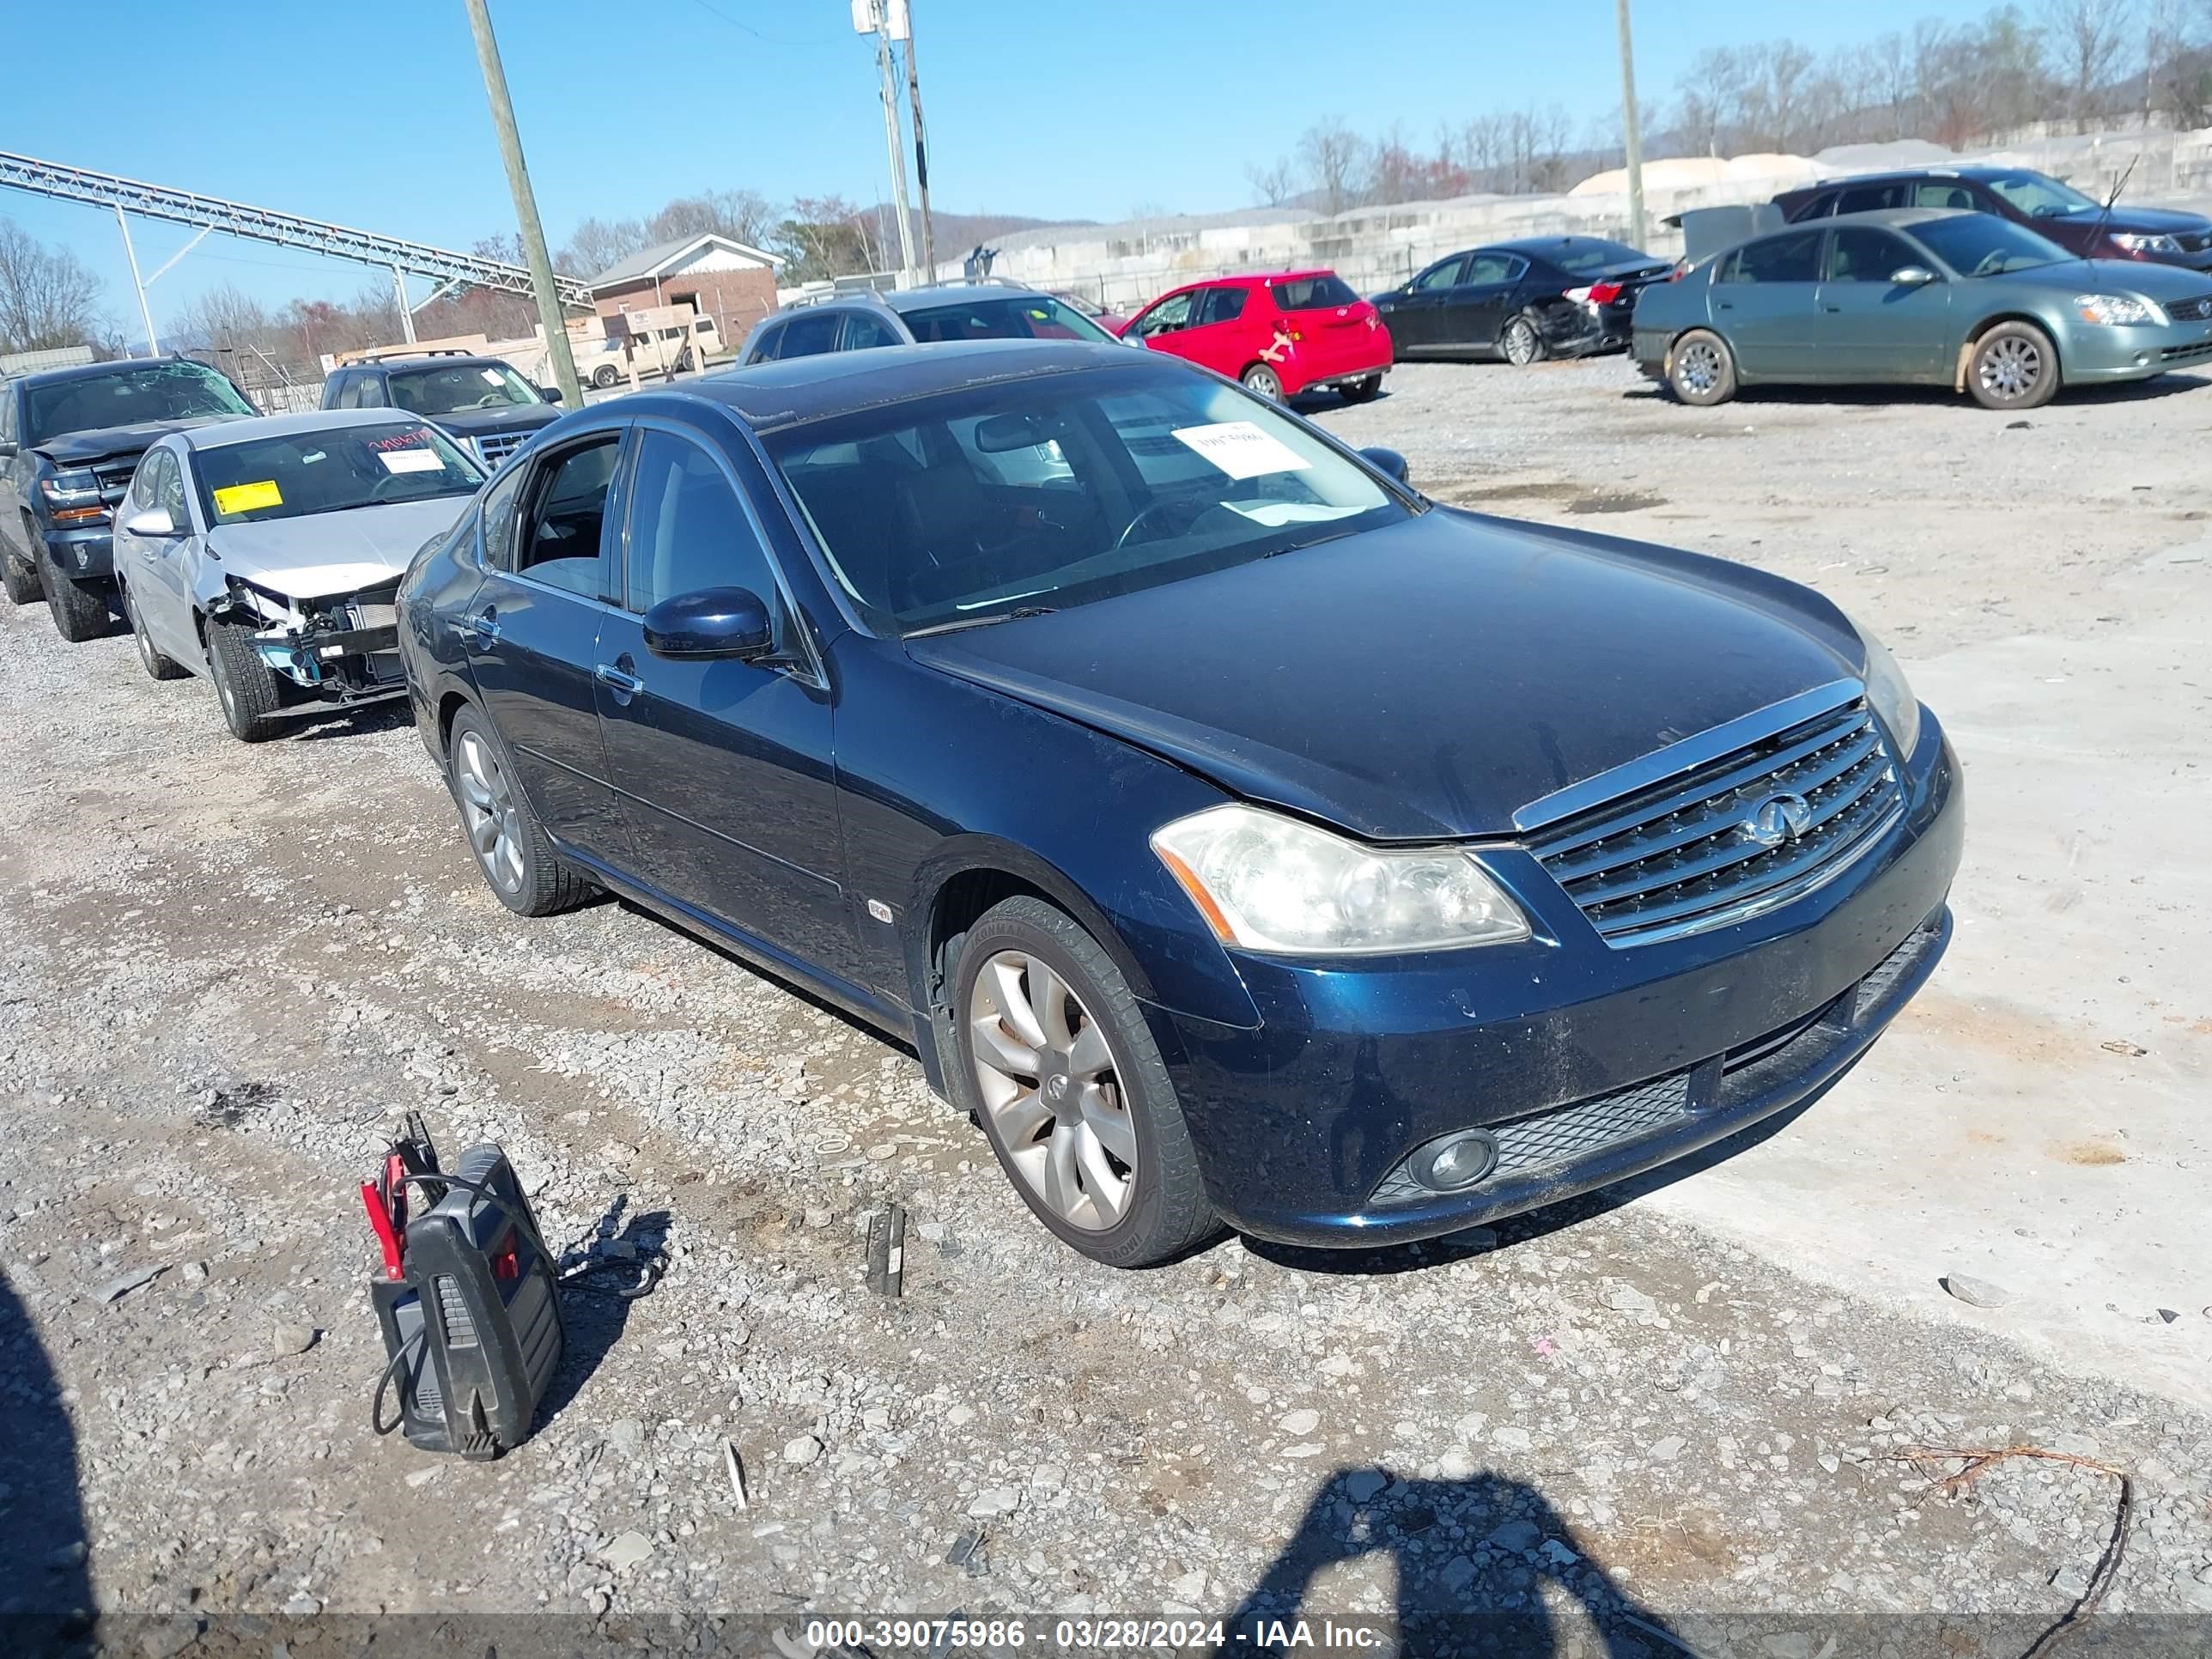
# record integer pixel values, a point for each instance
(114, 478)
(2190, 310)
(497, 446)
(1731, 837)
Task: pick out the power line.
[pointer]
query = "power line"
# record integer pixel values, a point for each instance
(769, 39)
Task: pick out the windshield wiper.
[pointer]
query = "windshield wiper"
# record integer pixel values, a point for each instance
(959, 622)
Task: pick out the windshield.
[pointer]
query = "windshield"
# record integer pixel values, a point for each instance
(1311, 293)
(1003, 316)
(461, 387)
(1982, 245)
(1581, 256)
(2041, 197)
(330, 471)
(1059, 490)
(130, 397)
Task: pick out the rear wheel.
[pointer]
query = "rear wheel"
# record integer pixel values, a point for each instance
(1265, 381)
(512, 848)
(79, 609)
(1521, 345)
(2013, 367)
(605, 376)
(1056, 1063)
(245, 686)
(1362, 390)
(1701, 369)
(156, 665)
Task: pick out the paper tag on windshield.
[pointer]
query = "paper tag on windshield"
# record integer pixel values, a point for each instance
(492, 377)
(410, 460)
(248, 497)
(1241, 449)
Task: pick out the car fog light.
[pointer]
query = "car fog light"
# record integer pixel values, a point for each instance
(1455, 1163)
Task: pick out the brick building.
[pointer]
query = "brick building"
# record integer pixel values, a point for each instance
(721, 278)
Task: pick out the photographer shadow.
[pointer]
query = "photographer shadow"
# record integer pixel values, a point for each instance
(600, 1280)
(1473, 1560)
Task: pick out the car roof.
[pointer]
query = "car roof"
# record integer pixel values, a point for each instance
(1544, 247)
(1902, 217)
(97, 371)
(1980, 173)
(223, 433)
(950, 294)
(436, 359)
(767, 396)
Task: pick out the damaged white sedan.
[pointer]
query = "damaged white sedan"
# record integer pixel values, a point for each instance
(264, 554)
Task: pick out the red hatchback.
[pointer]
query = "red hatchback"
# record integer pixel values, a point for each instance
(1300, 332)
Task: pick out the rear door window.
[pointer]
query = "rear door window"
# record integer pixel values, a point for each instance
(1493, 270)
(1865, 198)
(1323, 292)
(866, 333)
(1792, 259)
(809, 336)
(1944, 193)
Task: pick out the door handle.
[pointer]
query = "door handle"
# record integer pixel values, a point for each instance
(618, 679)
(1725, 305)
(1832, 307)
(481, 630)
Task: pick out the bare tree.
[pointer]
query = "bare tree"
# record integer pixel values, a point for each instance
(600, 243)
(48, 297)
(743, 215)
(1276, 185)
(1333, 160)
(2087, 34)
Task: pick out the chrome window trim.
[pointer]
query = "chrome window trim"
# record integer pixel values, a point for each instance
(1687, 754)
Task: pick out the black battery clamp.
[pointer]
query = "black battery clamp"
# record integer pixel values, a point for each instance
(469, 1302)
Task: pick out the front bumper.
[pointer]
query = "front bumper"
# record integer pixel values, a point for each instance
(1588, 1063)
(85, 555)
(2093, 355)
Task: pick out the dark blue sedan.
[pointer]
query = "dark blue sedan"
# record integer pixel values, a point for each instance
(1240, 837)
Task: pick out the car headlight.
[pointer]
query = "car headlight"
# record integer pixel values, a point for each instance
(1271, 884)
(2117, 308)
(2134, 242)
(70, 483)
(1889, 694)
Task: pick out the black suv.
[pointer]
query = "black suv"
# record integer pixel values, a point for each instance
(69, 439)
(483, 402)
(2053, 209)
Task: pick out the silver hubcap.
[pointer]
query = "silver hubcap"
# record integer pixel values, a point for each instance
(1046, 1075)
(1698, 368)
(2010, 367)
(487, 809)
(1264, 382)
(1520, 343)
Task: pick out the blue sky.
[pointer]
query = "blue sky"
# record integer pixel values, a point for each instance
(375, 117)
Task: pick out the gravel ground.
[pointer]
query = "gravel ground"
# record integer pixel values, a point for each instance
(225, 970)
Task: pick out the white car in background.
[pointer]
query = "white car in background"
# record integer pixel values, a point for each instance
(264, 554)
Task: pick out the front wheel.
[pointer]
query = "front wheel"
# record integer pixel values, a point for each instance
(1362, 390)
(1521, 345)
(1701, 369)
(245, 686)
(2013, 367)
(512, 848)
(79, 609)
(1056, 1063)
(1265, 381)
(19, 580)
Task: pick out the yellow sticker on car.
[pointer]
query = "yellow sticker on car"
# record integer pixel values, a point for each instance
(247, 498)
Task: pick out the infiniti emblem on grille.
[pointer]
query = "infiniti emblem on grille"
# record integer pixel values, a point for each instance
(1778, 818)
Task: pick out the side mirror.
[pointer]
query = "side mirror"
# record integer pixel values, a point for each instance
(1389, 461)
(7, 449)
(151, 524)
(714, 622)
(550, 394)
(1911, 276)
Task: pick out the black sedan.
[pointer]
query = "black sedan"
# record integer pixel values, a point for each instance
(1239, 837)
(1551, 296)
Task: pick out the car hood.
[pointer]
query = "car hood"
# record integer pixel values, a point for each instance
(327, 554)
(483, 422)
(2141, 220)
(113, 442)
(1423, 681)
(2147, 277)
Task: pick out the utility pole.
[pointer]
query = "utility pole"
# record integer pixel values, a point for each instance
(526, 209)
(1631, 130)
(145, 311)
(883, 22)
(920, 152)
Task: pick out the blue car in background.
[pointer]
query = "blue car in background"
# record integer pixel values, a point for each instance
(1239, 835)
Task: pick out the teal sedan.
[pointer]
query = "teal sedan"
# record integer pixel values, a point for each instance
(1918, 296)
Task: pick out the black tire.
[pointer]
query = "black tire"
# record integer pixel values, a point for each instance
(1168, 1213)
(1363, 391)
(1701, 369)
(1520, 342)
(533, 882)
(2013, 367)
(156, 665)
(1265, 381)
(20, 580)
(245, 686)
(79, 609)
(605, 376)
